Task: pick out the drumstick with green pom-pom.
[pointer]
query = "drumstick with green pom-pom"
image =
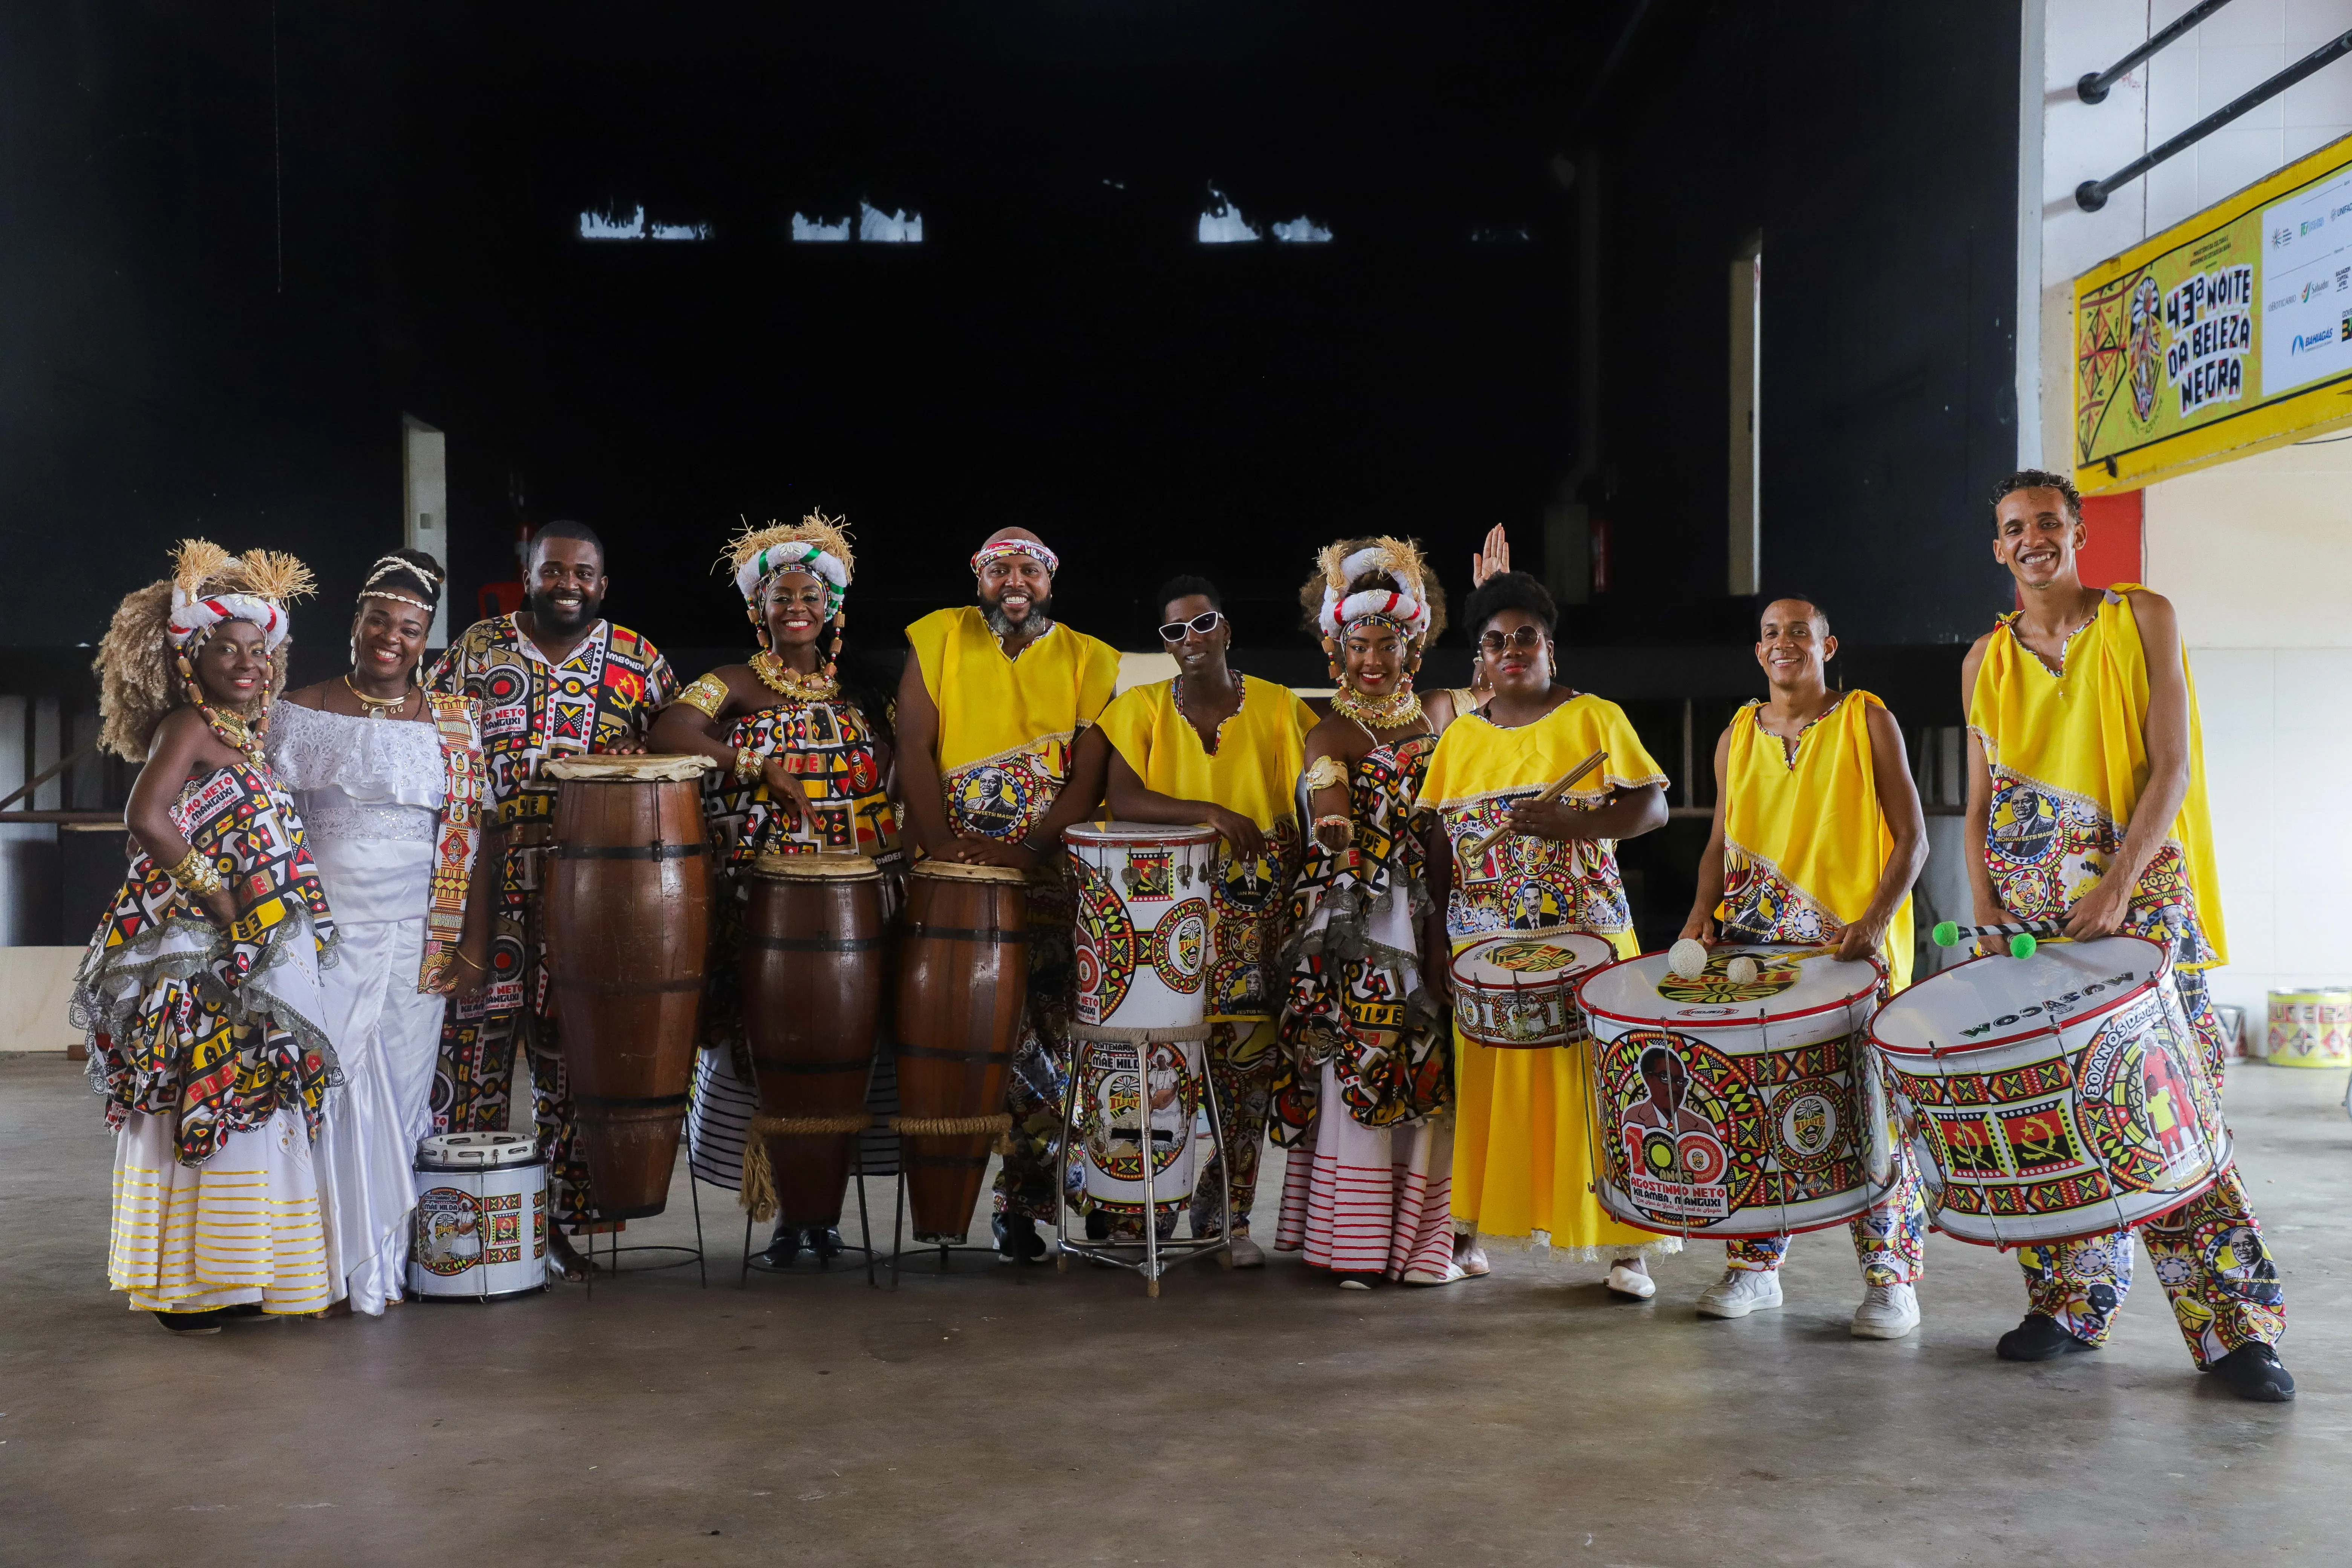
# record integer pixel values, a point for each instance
(2024, 936)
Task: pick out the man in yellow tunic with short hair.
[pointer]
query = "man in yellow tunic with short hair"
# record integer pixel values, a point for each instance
(1818, 837)
(1522, 1139)
(2086, 803)
(1218, 747)
(994, 761)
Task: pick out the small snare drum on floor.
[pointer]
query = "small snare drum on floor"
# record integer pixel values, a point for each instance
(480, 1228)
(2308, 1029)
(1518, 992)
(2058, 1096)
(1738, 1108)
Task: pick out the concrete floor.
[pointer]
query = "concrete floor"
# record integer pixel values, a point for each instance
(1003, 1415)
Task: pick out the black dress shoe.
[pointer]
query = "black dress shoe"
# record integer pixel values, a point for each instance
(781, 1248)
(204, 1322)
(2252, 1372)
(825, 1243)
(1017, 1238)
(2039, 1338)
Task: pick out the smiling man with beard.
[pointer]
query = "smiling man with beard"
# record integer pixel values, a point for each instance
(997, 754)
(556, 679)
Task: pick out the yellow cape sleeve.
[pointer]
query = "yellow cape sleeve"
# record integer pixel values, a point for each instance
(1128, 724)
(928, 639)
(1630, 764)
(1097, 678)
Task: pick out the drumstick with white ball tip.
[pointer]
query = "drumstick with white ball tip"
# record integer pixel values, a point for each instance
(1687, 959)
(2024, 936)
(1551, 791)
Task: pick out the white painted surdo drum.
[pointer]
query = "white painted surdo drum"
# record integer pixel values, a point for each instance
(2056, 1096)
(1144, 936)
(1748, 1107)
(480, 1226)
(1518, 992)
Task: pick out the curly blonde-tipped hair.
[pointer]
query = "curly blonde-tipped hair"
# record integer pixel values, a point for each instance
(1399, 566)
(139, 680)
(829, 534)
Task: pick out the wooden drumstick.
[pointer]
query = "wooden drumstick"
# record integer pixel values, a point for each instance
(1551, 791)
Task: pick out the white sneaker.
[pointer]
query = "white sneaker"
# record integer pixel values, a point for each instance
(1247, 1254)
(1888, 1313)
(1739, 1293)
(1625, 1281)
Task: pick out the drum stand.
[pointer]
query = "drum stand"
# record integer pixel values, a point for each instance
(694, 1254)
(1157, 1253)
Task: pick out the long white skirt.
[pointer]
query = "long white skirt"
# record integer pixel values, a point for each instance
(244, 1225)
(386, 1036)
(1370, 1200)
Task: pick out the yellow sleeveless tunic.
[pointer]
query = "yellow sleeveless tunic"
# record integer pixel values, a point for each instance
(2068, 754)
(1006, 724)
(1523, 1122)
(1260, 752)
(1805, 840)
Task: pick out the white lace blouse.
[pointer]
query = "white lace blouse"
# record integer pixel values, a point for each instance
(358, 778)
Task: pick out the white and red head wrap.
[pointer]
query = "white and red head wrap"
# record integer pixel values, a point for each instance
(1003, 548)
(193, 619)
(1402, 608)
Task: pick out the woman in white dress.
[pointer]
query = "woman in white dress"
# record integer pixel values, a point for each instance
(388, 780)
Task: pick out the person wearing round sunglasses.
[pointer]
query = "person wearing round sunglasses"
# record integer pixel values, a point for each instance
(1522, 1149)
(1214, 746)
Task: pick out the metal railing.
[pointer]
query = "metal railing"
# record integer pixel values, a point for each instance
(2094, 85)
(2092, 195)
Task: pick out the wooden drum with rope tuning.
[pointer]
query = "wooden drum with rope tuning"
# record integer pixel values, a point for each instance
(626, 907)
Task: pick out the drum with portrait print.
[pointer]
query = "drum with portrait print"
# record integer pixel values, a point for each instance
(1518, 992)
(1134, 1096)
(479, 1229)
(1145, 937)
(1738, 1108)
(2054, 1097)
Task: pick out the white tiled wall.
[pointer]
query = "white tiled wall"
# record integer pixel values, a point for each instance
(2256, 555)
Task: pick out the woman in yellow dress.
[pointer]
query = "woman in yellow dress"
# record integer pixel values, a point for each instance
(1522, 1146)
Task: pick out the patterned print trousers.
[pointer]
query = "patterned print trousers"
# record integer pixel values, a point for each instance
(1889, 1240)
(1242, 1059)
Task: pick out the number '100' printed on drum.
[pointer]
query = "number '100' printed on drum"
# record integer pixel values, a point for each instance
(1736, 1107)
(2053, 1097)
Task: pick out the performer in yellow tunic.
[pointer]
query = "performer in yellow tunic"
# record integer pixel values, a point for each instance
(994, 761)
(1522, 1147)
(2086, 802)
(1216, 746)
(1818, 837)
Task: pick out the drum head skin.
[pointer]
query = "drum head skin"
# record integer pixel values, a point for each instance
(814, 867)
(475, 1150)
(602, 769)
(1531, 958)
(957, 871)
(1137, 835)
(1989, 1002)
(1790, 983)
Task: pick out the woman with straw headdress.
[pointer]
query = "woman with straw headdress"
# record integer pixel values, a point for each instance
(199, 991)
(1363, 1095)
(806, 756)
(389, 780)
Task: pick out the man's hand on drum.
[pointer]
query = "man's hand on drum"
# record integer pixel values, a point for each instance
(1245, 836)
(2100, 913)
(1862, 938)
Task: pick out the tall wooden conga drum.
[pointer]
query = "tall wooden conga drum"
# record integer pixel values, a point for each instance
(627, 914)
(813, 963)
(963, 980)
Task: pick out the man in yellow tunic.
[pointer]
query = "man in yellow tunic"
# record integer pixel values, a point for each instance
(995, 760)
(2086, 803)
(1818, 837)
(1214, 746)
(1522, 1140)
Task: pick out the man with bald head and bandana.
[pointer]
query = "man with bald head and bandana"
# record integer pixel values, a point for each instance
(997, 754)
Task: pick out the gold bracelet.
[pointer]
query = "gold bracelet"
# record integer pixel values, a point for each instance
(707, 695)
(747, 764)
(1325, 771)
(196, 876)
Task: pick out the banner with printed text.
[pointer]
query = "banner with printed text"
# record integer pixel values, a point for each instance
(2223, 335)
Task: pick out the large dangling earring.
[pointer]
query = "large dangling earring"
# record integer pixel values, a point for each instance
(1331, 656)
(833, 658)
